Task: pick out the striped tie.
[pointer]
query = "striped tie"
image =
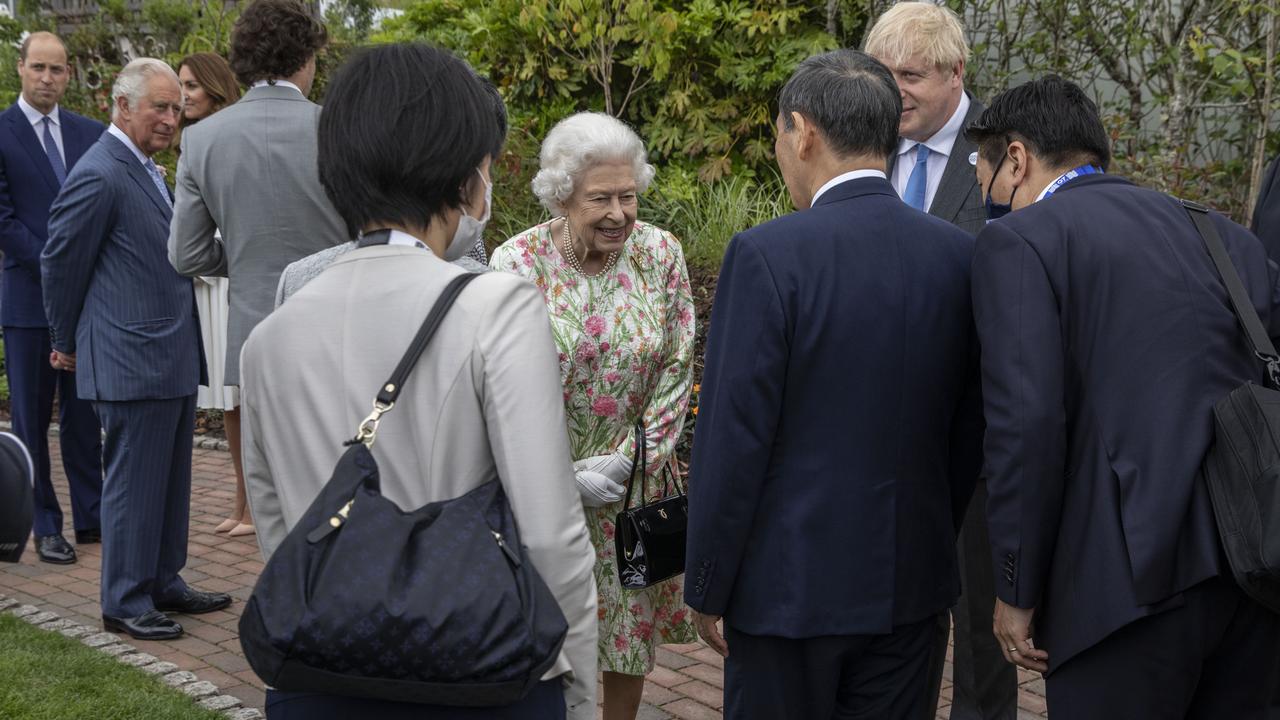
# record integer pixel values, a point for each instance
(51, 149)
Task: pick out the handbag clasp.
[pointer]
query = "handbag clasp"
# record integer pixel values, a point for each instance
(369, 426)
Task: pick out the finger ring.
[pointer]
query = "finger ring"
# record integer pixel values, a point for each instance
(1013, 649)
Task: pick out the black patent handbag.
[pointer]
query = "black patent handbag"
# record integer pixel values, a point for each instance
(650, 539)
(439, 604)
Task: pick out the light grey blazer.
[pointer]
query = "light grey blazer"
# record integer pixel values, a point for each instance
(250, 169)
(484, 401)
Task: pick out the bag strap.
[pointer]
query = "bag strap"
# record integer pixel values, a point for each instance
(1240, 303)
(639, 461)
(390, 390)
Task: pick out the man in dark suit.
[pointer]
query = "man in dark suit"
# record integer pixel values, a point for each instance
(837, 440)
(1107, 338)
(924, 45)
(39, 143)
(1266, 212)
(126, 323)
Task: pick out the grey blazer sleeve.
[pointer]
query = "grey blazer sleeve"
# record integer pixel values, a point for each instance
(264, 501)
(193, 248)
(524, 413)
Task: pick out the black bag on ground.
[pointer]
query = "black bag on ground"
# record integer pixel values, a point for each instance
(436, 605)
(649, 540)
(1242, 466)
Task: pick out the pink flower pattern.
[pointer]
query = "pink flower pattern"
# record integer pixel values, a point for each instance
(625, 343)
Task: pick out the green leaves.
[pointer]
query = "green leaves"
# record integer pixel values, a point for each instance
(696, 78)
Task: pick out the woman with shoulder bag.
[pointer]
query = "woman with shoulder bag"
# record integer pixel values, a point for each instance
(405, 141)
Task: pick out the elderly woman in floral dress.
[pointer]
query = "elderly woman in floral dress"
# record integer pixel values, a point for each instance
(617, 291)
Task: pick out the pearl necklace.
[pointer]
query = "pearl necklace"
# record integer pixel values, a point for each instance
(573, 256)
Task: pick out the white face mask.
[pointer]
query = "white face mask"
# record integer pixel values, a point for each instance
(470, 229)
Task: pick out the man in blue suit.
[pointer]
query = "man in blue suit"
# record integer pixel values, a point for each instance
(126, 323)
(39, 143)
(1107, 338)
(839, 426)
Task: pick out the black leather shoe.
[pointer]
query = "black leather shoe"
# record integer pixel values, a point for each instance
(196, 602)
(151, 625)
(55, 549)
(88, 537)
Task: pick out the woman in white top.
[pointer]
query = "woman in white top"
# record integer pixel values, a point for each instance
(208, 85)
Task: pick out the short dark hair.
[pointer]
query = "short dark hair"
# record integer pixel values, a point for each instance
(435, 122)
(1052, 116)
(500, 116)
(274, 39)
(851, 97)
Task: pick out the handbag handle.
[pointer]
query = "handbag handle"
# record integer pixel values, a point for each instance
(639, 460)
(390, 390)
(1245, 312)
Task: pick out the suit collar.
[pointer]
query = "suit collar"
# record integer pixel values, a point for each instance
(25, 134)
(856, 188)
(958, 178)
(1090, 180)
(136, 170)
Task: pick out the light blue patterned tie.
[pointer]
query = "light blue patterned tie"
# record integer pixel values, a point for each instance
(918, 183)
(51, 149)
(154, 172)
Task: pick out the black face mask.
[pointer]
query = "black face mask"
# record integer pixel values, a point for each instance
(998, 210)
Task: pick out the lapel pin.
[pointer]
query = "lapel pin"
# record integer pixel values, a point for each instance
(973, 159)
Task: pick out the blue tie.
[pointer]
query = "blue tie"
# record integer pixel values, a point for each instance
(154, 172)
(918, 183)
(51, 149)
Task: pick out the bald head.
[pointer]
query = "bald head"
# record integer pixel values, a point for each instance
(42, 37)
(42, 67)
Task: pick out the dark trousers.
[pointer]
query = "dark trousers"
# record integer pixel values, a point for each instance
(32, 385)
(146, 501)
(1216, 657)
(850, 677)
(544, 702)
(984, 684)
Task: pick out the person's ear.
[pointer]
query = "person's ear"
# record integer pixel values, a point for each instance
(804, 136)
(1019, 161)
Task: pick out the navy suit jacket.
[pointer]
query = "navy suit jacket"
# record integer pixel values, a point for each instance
(27, 189)
(110, 293)
(1107, 337)
(839, 427)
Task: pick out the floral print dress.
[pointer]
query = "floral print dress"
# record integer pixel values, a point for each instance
(626, 350)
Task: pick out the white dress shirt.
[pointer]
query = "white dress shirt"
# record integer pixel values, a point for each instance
(939, 152)
(36, 118)
(278, 83)
(128, 142)
(844, 177)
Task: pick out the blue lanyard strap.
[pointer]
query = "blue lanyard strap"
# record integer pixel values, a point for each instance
(1070, 175)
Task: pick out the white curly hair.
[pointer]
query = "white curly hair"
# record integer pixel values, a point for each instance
(578, 142)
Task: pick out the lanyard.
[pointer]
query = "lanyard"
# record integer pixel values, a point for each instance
(1070, 175)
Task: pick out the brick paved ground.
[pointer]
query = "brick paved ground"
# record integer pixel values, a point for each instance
(686, 684)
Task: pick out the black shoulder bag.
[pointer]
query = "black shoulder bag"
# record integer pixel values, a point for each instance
(1242, 466)
(435, 605)
(649, 540)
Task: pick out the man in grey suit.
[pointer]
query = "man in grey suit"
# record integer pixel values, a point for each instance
(250, 171)
(126, 324)
(924, 46)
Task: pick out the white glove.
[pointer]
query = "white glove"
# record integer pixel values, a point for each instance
(615, 466)
(597, 490)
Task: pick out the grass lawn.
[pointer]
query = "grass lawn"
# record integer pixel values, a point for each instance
(45, 676)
